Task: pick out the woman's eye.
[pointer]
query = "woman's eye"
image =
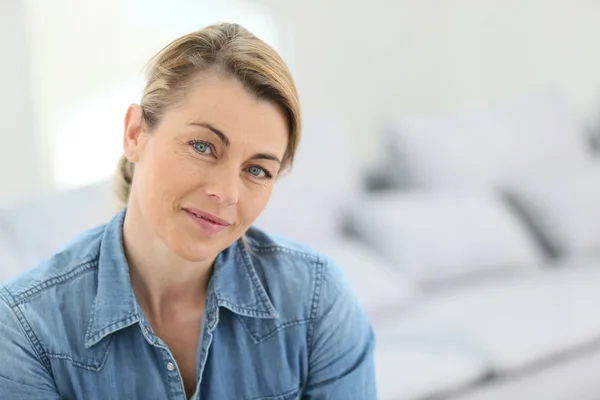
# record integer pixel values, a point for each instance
(202, 148)
(258, 172)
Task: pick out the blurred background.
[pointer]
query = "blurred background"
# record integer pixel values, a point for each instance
(450, 164)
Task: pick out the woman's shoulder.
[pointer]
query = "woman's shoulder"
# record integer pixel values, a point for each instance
(61, 270)
(281, 256)
(262, 242)
(45, 311)
(296, 269)
(303, 287)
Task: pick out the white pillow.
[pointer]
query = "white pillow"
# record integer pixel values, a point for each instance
(378, 285)
(485, 147)
(44, 225)
(10, 262)
(440, 236)
(564, 210)
(308, 204)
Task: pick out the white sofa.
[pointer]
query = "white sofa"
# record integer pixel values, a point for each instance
(480, 276)
(39, 227)
(494, 214)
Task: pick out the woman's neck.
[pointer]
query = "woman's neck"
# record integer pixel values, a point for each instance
(161, 280)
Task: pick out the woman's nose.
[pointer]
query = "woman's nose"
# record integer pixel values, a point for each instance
(224, 185)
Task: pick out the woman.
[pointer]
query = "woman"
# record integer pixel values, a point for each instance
(178, 296)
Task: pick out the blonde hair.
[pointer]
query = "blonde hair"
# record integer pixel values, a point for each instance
(227, 49)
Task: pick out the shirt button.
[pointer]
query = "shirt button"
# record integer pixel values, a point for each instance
(147, 328)
(171, 366)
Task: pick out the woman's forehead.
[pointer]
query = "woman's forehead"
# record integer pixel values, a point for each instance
(225, 106)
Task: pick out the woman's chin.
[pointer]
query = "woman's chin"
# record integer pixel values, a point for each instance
(196, 250)
(197, 253)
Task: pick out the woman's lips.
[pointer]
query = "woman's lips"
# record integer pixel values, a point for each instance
(210, 223)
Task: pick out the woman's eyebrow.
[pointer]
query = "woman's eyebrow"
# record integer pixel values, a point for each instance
(225, 140)
(222, 137)
(265, 156)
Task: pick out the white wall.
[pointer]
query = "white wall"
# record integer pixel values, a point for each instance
(364, 57)
(18, 161)
(361, 58)
(494, 50)
(369, 57)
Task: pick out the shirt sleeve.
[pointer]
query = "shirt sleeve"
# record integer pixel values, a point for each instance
(341, 364)
(22, 374)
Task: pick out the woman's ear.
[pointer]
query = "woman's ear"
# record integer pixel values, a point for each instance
(132, 137)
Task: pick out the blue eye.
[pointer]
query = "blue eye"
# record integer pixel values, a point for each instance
(202, 147)
(258, 172)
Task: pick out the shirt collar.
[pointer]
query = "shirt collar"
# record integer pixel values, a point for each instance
(234, 284)
(237, 286)
(115, 306)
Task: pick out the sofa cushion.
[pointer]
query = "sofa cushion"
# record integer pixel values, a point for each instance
(440, 236)
(40, 227)
(485, 147)
(563, 209)
(10, 262)
(513, 323)
(419, 368)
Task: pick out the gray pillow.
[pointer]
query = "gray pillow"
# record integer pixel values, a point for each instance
(563, 210)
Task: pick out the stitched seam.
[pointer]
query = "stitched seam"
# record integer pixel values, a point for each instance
(248, 312)
(247, 272)
(131, 317)
(255, 281)
(92, 319)
(89, 367)
(32, 338)
(319, 276)
(75, 363)
(277, 248)
(282, 327)
(254, 338)
(272, 333)
(30, 297)
(75, 272)
(7, 296)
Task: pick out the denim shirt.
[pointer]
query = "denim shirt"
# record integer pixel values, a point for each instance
(280, 323)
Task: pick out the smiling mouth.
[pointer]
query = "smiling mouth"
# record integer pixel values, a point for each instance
(206, 219)
(207, 216)
(207, 222)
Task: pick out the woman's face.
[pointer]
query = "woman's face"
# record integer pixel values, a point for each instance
(206, 172)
